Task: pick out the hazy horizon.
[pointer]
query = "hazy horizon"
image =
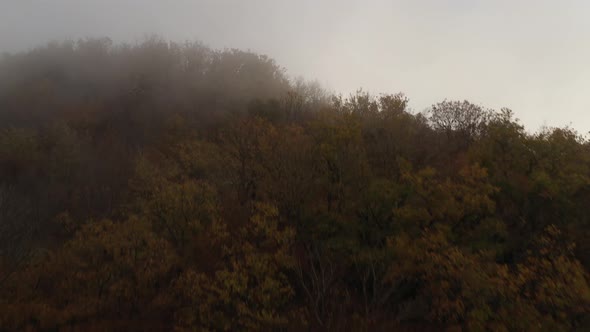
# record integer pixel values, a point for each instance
(528, 56)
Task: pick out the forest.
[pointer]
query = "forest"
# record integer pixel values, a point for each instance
(175, 187)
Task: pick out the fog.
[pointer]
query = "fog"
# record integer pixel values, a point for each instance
(528, 56)
(264, 165)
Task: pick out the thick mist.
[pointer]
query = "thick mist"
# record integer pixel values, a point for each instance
(528, 56)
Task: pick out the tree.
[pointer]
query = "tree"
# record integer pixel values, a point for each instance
(458, 119)
(250, 290)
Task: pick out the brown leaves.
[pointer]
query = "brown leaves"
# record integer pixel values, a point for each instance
(250, 290)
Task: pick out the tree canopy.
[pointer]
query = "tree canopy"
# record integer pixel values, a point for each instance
(176, 187)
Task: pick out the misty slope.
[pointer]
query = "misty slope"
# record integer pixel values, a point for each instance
(167, 186)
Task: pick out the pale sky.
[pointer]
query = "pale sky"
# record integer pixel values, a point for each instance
(530, 56)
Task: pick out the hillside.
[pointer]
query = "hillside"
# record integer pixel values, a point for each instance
(165, 186)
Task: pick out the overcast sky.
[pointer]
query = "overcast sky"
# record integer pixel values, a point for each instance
(530, 56)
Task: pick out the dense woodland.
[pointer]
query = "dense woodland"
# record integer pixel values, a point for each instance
(164, 186)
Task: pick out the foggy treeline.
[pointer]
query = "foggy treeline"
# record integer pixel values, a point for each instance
(166, 186)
